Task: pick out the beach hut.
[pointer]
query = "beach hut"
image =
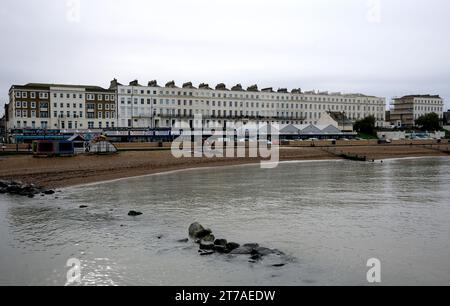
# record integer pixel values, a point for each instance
(53, 148)
(102, 147)
(79, 144)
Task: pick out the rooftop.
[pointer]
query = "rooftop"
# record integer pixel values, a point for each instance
(418, 96)
(253, 88)
(47, 86)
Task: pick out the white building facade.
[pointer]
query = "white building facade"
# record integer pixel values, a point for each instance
(153, 106)
(406, 110)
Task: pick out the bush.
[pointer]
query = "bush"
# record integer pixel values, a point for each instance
(429, 122)
(366, 126)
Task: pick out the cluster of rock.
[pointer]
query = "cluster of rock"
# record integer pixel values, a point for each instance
(210, 245)
(21, 189)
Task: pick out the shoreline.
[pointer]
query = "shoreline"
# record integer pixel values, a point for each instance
(61, 172)
(205, 168)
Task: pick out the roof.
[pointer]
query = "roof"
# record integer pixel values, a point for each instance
(47, 86)
(76, 137)
(289, 129)
(419, 96)
(340, 117)
(331, 130)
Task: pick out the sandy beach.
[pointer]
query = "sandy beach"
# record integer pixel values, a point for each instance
(69, 171)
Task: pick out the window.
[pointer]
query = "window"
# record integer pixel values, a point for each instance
(33, 95)
(24, 95)
(100, 97)
(100, 115)
(100, 106)
(18, 95)
(18, 104)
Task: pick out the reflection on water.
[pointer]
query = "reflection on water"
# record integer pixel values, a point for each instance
(329, 217)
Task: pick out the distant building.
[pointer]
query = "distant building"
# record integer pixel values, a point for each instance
(3, 129)
(154, 106)
(446, 118)
(406, 110)
(53, 106)
(338, 120)
(150, 106)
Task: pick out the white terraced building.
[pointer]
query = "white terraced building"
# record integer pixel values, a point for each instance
(156, 107)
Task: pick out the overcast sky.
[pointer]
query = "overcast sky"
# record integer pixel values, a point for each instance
(385, 48)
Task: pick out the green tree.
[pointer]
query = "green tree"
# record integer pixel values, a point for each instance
(366, 125)
(429, 122)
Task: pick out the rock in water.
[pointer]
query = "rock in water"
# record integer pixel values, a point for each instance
(197, 231)
(232, 246)
(134, 213)
(83, 206)
(221, 242)
(206, 245)
(194, 229)
(246, 249)
(209, 238)
(49, 192)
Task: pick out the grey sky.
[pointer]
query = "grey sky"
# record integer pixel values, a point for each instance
(312, 44)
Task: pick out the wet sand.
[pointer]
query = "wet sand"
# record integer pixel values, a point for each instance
(68, 171)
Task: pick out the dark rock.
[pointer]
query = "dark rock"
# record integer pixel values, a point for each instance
(263, 251)
(2, 190)
(195, 229)
(208, 238)
(221, 242)
(31, 196)
(278, 265)
(242, 250)
(221, 249)
(4, 184)
(84, 206)
(205, 245)
(133, 213)
(232, 246)
(206, 253)
(186, 240)
(256, 257)
(49, 192)
(160, 237)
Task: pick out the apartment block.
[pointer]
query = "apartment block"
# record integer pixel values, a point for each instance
(157, 106)
(406, 110)
(53, 106)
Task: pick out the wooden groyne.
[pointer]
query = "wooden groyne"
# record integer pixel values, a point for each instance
(345, 155)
